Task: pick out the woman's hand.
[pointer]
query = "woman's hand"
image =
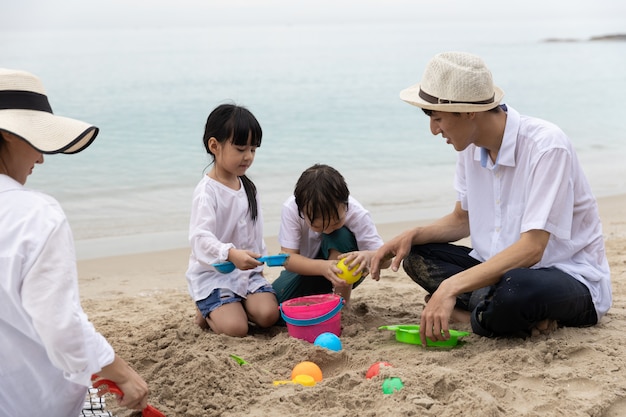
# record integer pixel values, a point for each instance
(130, 383)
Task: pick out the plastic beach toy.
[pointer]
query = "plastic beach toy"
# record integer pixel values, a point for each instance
(391, 385)
(410, 333)
(309, 316)
(239, 360)
(374, 370)
(304, 380)
(105, 386)
(271, 260)
(346, 274)
(307, 368)
(329, 341)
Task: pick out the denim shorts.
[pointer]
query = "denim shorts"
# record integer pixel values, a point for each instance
(221, 296)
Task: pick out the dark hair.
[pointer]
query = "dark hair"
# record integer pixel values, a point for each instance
(496, 109)
(319, 192)
(228, 122)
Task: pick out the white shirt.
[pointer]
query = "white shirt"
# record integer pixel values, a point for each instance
(535, 184)
(220, 220)
(295, 233)
(49, 349)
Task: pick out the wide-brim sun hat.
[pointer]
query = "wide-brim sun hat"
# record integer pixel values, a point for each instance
(26, 113)
(455, 82)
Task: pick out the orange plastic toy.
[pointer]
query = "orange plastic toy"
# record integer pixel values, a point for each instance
(307, 368)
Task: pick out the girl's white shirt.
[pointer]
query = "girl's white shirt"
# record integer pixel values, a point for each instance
(49, 349)
(295, 233)
(220, 220)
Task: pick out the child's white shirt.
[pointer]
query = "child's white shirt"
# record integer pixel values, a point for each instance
(220, 220)
(295, 233)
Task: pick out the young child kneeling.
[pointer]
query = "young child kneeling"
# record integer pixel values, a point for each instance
(320, 224)
(227, 225)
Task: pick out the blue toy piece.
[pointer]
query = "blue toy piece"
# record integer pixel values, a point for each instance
(329, 341)
(271, 260)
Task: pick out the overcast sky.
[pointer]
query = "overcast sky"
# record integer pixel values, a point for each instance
(113, 14)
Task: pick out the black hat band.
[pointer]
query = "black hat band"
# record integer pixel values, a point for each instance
(24, 100)
(435, 100)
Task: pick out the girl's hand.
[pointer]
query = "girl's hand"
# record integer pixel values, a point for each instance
(244, 259)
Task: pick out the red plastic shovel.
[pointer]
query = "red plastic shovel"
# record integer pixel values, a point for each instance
(107, 386)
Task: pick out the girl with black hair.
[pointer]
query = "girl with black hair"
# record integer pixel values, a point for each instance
(227, 225)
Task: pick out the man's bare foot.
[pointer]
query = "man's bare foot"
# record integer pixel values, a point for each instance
(544, 327)
(200, 321)
(457, 316)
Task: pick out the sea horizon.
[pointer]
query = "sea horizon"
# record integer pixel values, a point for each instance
(322, 92)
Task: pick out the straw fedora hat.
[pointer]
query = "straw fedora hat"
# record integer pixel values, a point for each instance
(26, 113)
(454, 82)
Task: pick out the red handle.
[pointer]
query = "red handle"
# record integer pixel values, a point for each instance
(150, 411)
(106, 385)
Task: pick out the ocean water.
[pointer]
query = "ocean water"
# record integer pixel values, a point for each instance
(323, 93)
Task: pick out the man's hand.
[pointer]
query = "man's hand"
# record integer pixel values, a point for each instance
(435, 319)
(395, 250)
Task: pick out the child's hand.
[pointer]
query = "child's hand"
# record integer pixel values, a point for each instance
(331, 274)
(360, 260)
(244, 259)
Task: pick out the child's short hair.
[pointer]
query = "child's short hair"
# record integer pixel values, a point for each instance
(319, 192)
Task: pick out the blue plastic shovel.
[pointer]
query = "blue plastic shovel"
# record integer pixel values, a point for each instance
(271, 260)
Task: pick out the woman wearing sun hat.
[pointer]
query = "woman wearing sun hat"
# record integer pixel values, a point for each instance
(49, 349)
(537, 259)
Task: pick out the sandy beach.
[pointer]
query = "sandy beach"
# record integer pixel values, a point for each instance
(140, 303)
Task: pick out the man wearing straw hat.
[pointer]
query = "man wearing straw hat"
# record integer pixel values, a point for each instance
(537, 259)
(49, 349)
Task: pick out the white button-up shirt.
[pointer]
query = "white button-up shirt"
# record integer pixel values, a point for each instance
(49, 349)
(536, 183)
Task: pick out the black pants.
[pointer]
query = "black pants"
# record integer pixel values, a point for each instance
(522, 298)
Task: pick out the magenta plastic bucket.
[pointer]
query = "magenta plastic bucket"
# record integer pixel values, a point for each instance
(308, 317)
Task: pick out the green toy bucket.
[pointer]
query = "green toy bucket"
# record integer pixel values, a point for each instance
(308, 317)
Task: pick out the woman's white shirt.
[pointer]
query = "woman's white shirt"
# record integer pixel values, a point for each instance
(49, 346)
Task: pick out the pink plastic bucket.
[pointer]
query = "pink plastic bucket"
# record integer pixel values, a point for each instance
(308, 317)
